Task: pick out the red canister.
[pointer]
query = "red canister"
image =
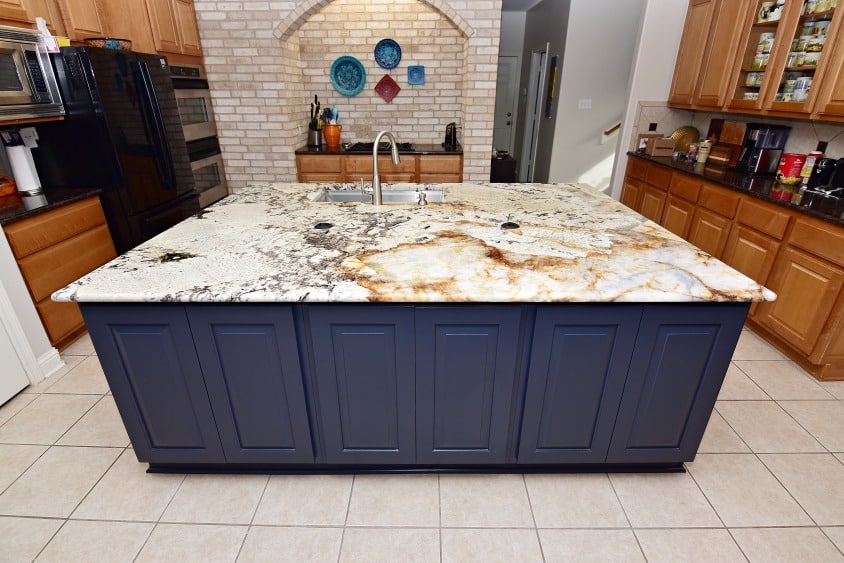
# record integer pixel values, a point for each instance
(791, 164)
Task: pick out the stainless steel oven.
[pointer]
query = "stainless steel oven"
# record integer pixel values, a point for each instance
(194, 100)
(206, 161)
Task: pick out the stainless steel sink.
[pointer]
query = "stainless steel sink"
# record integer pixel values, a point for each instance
(389, 196)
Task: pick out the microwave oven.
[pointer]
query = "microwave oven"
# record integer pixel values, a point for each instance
(28, 87)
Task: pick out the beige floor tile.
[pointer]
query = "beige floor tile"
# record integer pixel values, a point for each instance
(490, 546)
(14, 405)
(783, 380)
(744, 493)
(823, 419)
(670, 500)
(21, 539)
(127, 492)
(816, 481)
(374, 545)
(738, 387)
(395, 500)
(586, 546)
(766, 427)
(96, 541)
(786, 545)
(70, 362)
(44, 420)
(57, 482)
(752, 347)
(87, 378)
(81, 347)
(574, 501)
(836, 534)
(101, 426)
(720, 438)
(216, 499)
(293, 545)
(15, 460)
(836, 388)
(484, 501)
(694, 546)
(302, 500)
(193, 542)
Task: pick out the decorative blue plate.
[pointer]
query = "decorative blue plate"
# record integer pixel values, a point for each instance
(347, 75)
(387, 54)
(416, 74)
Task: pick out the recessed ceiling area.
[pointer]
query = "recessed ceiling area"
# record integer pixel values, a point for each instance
(518, 5)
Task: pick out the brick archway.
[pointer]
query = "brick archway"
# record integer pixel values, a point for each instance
(306, 9)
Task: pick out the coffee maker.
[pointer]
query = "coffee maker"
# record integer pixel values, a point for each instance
(762, 148)
(450, 141)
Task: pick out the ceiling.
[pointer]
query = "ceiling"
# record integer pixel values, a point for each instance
(517, 5)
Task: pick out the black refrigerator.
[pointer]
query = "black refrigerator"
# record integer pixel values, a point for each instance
(122, 134)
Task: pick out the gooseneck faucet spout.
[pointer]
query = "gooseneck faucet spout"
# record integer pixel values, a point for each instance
(376, 180)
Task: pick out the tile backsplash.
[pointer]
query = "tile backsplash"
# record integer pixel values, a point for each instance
(804, 136)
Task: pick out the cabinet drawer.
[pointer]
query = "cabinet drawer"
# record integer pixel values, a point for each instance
(440, 178)
(59, 319)
(764, 218)
(317, 177)
(439, 164)
(54, 267)
(685, 187)
(323, 164)
(720, 200)
(659, 177)
(46, 229)
(637, 168)
(363, 164)
(820, 239)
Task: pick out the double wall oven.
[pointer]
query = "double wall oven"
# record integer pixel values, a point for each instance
(194, 100)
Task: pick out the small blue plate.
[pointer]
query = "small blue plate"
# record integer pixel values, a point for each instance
(416, 75)
(387, 54)
(347, 75)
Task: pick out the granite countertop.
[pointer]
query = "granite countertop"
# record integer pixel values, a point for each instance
(261, 245)
(16, 206)
(418, 148)
(754, 185)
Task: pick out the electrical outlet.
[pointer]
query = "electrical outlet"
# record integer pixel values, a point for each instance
(651, 126)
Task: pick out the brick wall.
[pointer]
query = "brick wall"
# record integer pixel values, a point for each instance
(266, 60)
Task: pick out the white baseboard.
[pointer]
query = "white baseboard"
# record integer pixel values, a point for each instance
(50, 362)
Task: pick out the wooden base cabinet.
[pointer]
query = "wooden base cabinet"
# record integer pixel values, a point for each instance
(417, 168)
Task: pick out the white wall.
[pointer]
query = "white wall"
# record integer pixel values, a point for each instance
(653, 69)
(602, 35)
(512, 33)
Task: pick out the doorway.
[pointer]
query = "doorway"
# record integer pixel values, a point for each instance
(533, 113)
(507, 83)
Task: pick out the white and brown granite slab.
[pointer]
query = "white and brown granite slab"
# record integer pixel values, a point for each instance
(261, 245)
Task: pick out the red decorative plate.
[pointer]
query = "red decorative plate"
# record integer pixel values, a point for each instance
(387, 88)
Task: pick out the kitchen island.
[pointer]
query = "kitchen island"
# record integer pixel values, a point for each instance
(511, 327)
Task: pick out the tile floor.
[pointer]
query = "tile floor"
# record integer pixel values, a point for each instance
(767, 485)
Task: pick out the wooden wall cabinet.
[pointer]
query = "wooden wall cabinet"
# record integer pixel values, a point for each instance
(691, 53)
(13, 11)
(55, 248)
(424, 168)
(83, 19)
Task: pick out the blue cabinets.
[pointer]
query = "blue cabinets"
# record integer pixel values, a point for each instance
(363, 373)
(466, 362)
(414, 385)
(578, 367)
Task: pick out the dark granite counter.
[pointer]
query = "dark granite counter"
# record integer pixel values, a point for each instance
(16, 206)
(751, 184)
(418, 148)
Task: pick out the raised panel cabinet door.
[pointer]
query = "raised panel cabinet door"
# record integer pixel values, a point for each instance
(631, 193)
(188, 30)
(162, 18)
(677, 216)
(681, 356)
(147, 353)
(807, 288)
(250, 361)
(830, 102)
(709, 231)
(82, 19)
(13, 10)
(363, 357)
(129, 19)
(690, 54)
(578, 366)
(466, 362)
(49, 10)
(720, 55)
(653, 203)
(751, 253)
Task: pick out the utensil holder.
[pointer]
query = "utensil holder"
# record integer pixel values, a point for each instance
(314, 137)
(332, 135)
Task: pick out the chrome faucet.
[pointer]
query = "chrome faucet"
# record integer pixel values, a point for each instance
(376, 180)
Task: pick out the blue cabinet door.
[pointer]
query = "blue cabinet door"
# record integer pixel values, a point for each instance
(682, 354)
(363, 374)
(148, 357)
(250, 360)
(578, 366)
(466, 366)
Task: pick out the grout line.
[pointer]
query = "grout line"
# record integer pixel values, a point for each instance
(533, 517)
(346, 519)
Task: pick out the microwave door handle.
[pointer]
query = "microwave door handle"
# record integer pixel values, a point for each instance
(156, 121)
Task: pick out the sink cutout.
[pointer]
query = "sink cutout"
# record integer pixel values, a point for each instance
(388, 196)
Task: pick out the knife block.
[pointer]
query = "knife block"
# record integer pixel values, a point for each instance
(314, 137)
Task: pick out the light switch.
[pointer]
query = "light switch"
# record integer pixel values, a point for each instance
(585, 103)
